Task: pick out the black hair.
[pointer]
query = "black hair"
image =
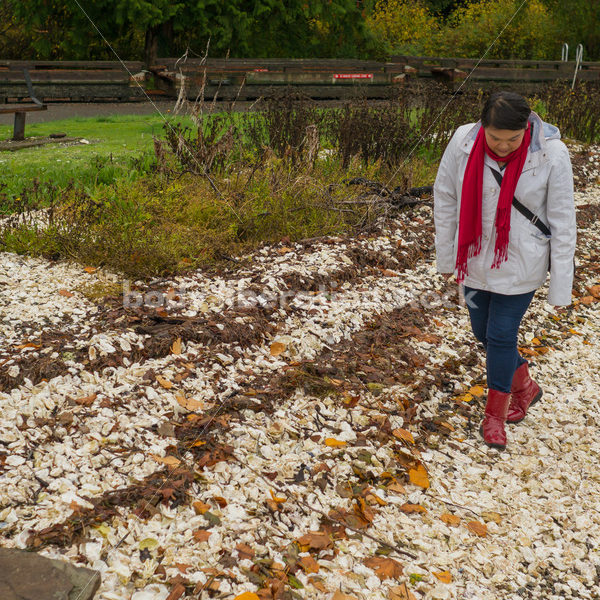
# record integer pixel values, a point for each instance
(505, 110)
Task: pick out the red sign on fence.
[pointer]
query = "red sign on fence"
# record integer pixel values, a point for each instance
(353, 76)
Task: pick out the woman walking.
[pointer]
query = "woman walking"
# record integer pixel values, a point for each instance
(504, 217)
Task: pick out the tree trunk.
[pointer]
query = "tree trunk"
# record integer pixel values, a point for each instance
(151, 46)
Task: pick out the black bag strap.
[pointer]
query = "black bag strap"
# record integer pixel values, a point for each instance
(523, 209)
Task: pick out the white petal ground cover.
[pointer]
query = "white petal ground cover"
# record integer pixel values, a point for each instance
(341, 433)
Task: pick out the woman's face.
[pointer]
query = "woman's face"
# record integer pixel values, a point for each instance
(503, 141)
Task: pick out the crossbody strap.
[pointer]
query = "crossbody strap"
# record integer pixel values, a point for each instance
(523, 209)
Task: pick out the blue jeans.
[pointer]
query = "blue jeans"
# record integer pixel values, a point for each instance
(495, 320)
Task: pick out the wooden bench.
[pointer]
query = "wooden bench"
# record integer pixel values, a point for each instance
(20, 110)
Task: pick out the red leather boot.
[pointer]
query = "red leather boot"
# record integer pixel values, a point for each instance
(525, 392)
(492, 426)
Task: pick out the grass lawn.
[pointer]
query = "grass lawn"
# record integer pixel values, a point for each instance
(120, 147)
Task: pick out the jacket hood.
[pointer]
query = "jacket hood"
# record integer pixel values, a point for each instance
(541, 132)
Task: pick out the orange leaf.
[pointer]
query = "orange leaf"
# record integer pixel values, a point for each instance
(595, 291)
(588, 300)
(90, 269)
(419, 476)
(276, 498)
(164, 382)
(309, 564)
(189, 403)
(277, 348)
(477, 391)
(334, 443)
(28, 345)
(65, 293)
(396, 487)
(341, 596)
(247, 596)
(244, 551)
(170, 461)
(403, 434)
(444, 576)
(412, 508)
(477, 528)
(315, 540)
(201, 535)
(385, 568)
(220, 501)
(200, 507)
(449, 519)
(176, 346)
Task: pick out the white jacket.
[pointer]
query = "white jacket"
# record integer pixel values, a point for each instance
(545, 187)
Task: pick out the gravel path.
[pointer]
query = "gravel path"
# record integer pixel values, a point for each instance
(307, 424)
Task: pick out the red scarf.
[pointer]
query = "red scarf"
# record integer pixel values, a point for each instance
(469, 227)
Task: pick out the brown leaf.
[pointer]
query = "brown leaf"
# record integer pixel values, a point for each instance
(412, 508)
(385, 568)
(403, 434)
(86, 400)
(176, 346)
(277, 348)
(595, 291)
(189, 403)
(396, 487)
(244, 551)
(309, 564)
(183, 568)
(176, 592)
(164, 382)
(588, 300)
(444, 576)
(201, 535)
(419, 476)
(315, 540)
(170, 461)
(449, 519)
(401, 592)
(65, 293)
(220, 501)
(491, 516)
(478, 528)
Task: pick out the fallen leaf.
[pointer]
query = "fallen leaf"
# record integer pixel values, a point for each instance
(419, 476)
(277, 348)
(412, 508)
(28, 345)
(200, 507)
(309, 564)
(90, 269)
(332, 442)
(86, 400)
(536, 341)
(444, 576)
(491, 516)
(464, 397)
(148, 544)
(478, 528)
(341, 596)
(170, 461)
(247, 596)
(220, 500)
(396, 487)
(588, 300)
(314, 541)
(477, 391)
(164, 382)
(389, 273)
(176, 346)
(189, 403)
(403, 434)
(65, 293)
(201, 535)
(401, 592)
(375, 498)
(385, 568)
(244, 551)
(278, 499)
(176, 592)
(595, 291)
(449, 519)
